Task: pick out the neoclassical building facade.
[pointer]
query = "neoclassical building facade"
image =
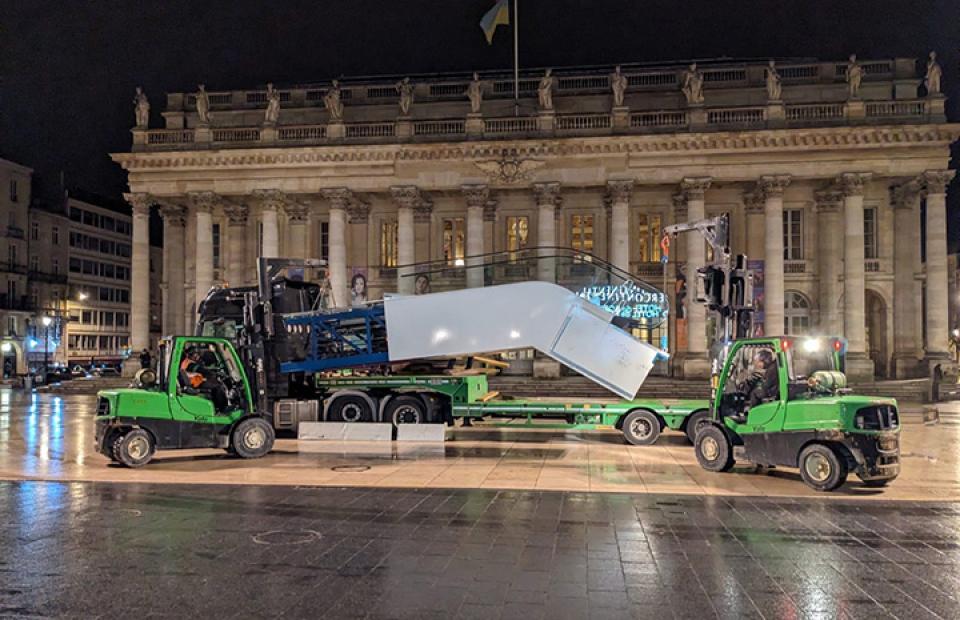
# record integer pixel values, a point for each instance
(834, 175)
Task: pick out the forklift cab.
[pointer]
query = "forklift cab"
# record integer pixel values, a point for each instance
(205, 378)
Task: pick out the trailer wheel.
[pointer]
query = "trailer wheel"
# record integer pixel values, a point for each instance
(350, 408)
(822, 468)
(134, 448)
(694, 423)
(406, 409)
(252, 438)
(713, 449)
(641, 428)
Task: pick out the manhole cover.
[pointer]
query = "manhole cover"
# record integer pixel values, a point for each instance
(350, 469)
(278, 537)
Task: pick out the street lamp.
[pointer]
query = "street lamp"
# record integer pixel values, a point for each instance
(83, 296)
(46, 342)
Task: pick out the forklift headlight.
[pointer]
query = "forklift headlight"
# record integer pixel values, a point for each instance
(812, 345)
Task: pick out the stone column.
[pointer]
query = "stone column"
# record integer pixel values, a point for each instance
(773, 315)
(271, 201)
(237, 238)
(938, 310)
(139, 280)
(202, 205)
(695, 362)
(174, 219)
(906, 301)
(407, 198)
(339, 198)
(620, 233)
(477, 197)
(830, 260)
(753, 206)
(548, 203)
(859, 364)
(297, 221)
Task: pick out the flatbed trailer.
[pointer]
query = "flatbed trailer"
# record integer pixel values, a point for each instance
(443, 398)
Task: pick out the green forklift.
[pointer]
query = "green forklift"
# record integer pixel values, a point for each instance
(782, 401)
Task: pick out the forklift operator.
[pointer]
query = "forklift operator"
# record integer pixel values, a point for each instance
(766, 384)
(196, 373)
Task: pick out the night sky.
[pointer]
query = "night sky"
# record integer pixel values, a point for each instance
(69, 67)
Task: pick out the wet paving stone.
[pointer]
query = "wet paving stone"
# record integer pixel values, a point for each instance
(107, 550)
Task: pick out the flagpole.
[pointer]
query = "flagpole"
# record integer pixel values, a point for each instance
(516, 62)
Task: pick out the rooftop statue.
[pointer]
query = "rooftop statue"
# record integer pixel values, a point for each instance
(934, 73)
(774, 86)
(475, 93)
(854, 77)
(405, 88)
(618, 84)
(692, 85)
(545, 91)
(331, 100)
(141, 109)
(203, 104)
(272, 113)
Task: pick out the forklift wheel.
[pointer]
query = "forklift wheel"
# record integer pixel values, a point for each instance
(252, 438)
(821, 468)
(134, 448)
(641, 428)
(694, 423)
(713, 449)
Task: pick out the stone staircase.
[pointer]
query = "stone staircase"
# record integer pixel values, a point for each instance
(913, 390)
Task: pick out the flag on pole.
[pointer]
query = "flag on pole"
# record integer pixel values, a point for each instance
(498, 15)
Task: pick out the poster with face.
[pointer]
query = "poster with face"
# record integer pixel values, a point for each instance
(421, 285)
(358, 288)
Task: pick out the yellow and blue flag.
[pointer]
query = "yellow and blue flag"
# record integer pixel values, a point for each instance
(498, 15)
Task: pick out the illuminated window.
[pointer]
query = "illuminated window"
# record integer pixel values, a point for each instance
(454, 239)
(517, 230)
(650, 231)
(581, 233)
(388, 244)
(793, 234)
(325, 240)
(796, 314)
(870, 233)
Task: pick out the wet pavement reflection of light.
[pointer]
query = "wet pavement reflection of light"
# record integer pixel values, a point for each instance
(84, 550)
(50, 437)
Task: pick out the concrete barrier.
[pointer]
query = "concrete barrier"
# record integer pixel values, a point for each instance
(422, 432)
(345, 431)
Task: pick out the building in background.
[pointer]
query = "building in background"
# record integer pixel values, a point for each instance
(156, 296)
(15, 310)
(98, 305)
(47, 237)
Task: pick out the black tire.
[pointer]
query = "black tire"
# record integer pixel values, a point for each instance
(713, 449)
(875, 484)
(821, 467)
(134, 448)
(696, 419)
(641, 428)
(405, 409)
(252, 438)
(350, 408)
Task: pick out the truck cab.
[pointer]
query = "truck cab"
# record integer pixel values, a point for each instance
(199, 397)
(784, 402)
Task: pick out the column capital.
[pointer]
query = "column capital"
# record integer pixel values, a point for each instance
(476, 194)
(236, 213)
(296, 211)
(905, 195)
(679, 205)
(423, 212)
(619, 190)
(172, 212)
(339, 197)
(270, 199)
(406, 196)
(936, 181)
(753, 201)
(547, 194)
(828, 200)
(358, 212)
(490, 211)
(140, 202)
(773, 185)
(693, 188)
(852, 183)
(203, 202)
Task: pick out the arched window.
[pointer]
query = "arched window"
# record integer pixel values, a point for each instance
(796, 314)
